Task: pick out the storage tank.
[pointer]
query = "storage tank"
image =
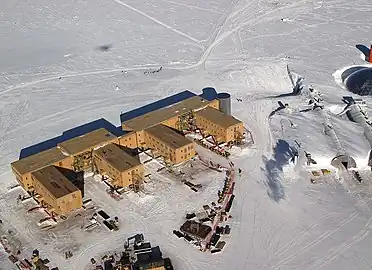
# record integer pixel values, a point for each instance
(225, 102)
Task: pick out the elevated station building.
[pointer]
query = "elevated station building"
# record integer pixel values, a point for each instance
(223, 127)
(57, 192)
(160, 129)
(122, 168)
(173, 146)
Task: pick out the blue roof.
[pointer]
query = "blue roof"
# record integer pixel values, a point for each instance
(70, 134)
(165, 102)
(209, 93)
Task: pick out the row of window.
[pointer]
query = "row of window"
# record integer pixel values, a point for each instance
(128, 142)
(43, 191)
(186, 156)
(154, 142)
(190, 147)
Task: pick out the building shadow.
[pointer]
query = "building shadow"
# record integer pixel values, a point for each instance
(345, 74)
(274, 187)
(273, 169)
(296, 91)
(130, 151)
(283, 152)
(360, 82)
(176, 131)
(209, 93)
(363, 49)
(162, 103)
(76, 178)
(70, 134)
(281, 107)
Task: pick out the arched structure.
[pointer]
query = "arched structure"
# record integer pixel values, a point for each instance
(343, 162)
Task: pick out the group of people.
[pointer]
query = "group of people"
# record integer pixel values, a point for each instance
(153, 71)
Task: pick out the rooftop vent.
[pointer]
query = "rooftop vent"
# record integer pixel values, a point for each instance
(54, 184)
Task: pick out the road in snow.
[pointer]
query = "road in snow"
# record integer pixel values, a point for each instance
(53, 78)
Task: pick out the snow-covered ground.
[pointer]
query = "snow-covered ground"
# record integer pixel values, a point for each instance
(62, 60)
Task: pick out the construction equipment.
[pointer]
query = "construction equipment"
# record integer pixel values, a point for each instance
(185, 121)
(315, 173)
(325, 171)
(239, 138)
(138, 239)
(310, 160)
(137, 183)
(214, 142)
(357, 176)
(68, 254)
(82, 161)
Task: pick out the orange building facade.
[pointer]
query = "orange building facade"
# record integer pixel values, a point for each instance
(122, 168)
(160, 130)
(57, 193)
(173, 146)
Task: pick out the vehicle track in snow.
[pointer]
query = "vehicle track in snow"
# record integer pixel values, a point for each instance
(258, 124)
(79, 74)
(220, 36)
(313, 243)
(301, 236)
(59, 113)
(261, 136)
(157, 21)
(14, 117)
(333, 253)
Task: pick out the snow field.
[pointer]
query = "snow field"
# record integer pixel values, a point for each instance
(241, 47)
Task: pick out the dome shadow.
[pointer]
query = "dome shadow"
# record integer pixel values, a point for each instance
(360, 82)
(350, 71)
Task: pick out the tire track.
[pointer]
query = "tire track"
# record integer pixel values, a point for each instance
(257, 120)
(302, 235)
(157, 21)
(259, 19)
(335, 252)
(14, 116)
(313, 243)
(51, 116)
(77, 74)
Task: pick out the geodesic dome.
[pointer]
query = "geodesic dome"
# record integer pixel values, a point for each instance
(343, 162)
